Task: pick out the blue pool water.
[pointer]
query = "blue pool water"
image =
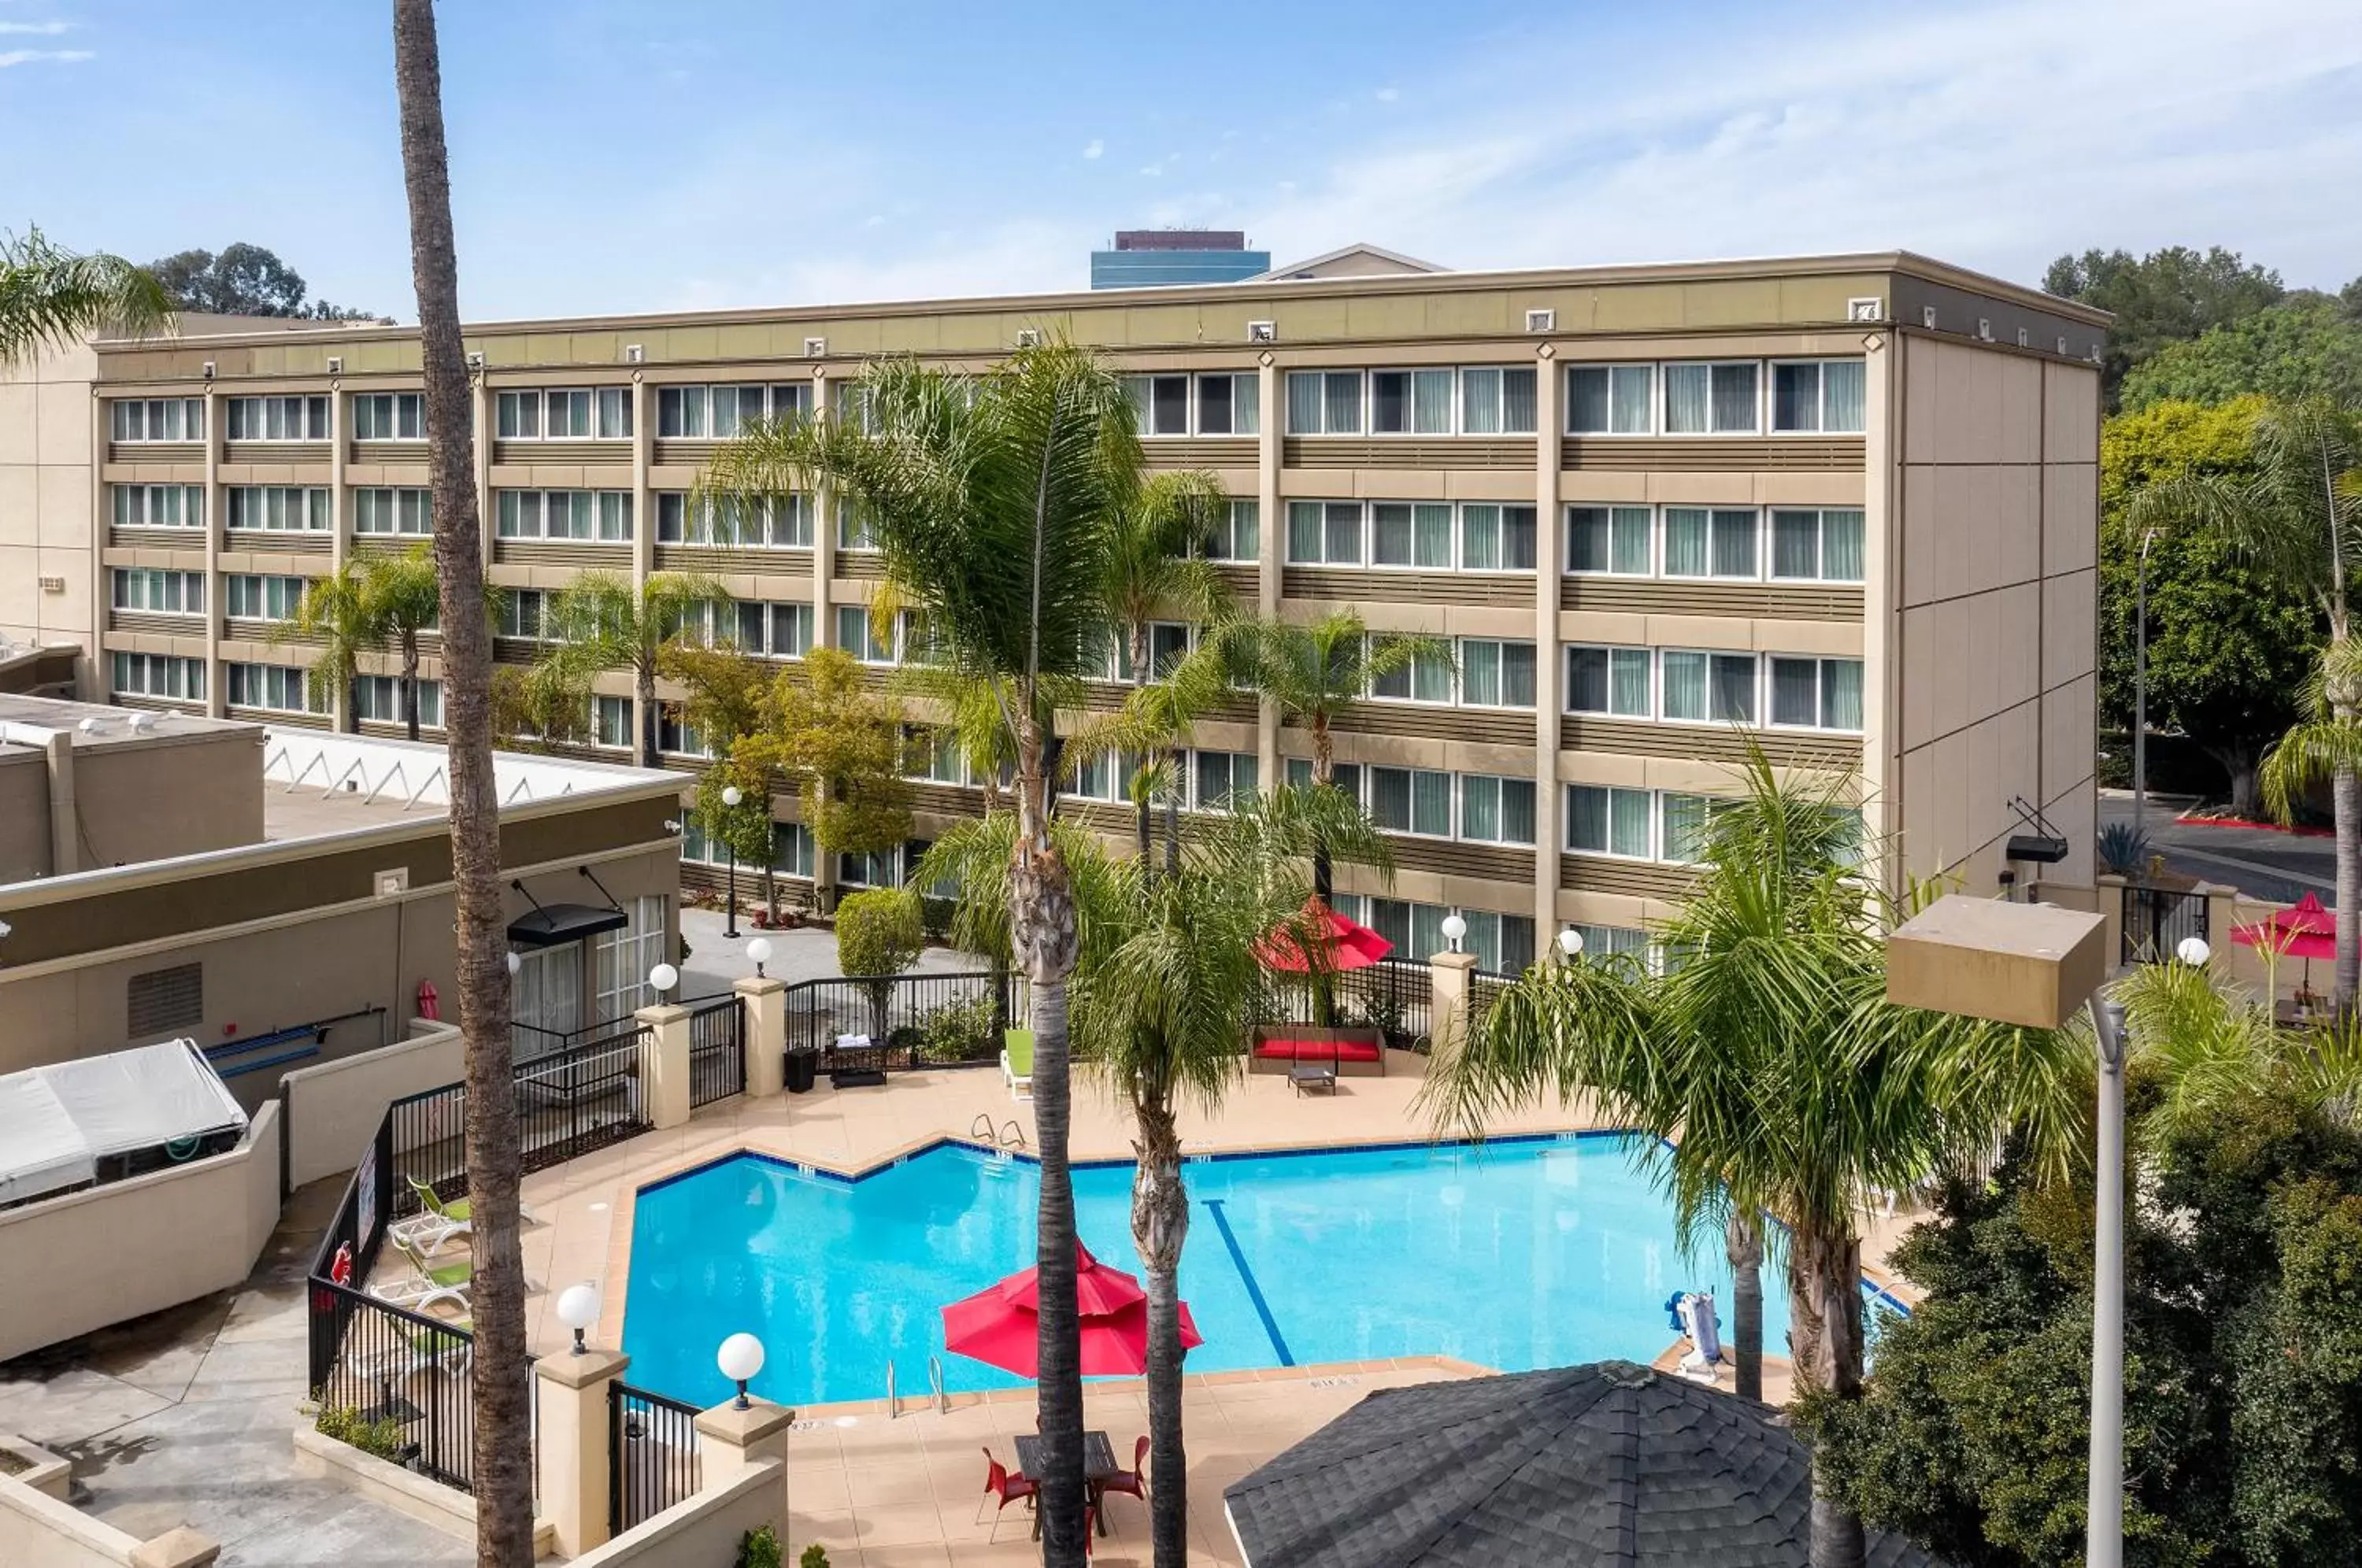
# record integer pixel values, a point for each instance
(1514, 1256)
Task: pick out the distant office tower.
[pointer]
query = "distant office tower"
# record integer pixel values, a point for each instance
(1154, 257)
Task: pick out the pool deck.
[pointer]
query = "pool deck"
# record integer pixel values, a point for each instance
(880, 1491)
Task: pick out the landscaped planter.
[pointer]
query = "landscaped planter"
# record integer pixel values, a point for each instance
(23, 1460)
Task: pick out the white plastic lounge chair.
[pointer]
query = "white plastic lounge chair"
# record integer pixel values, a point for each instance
(1017, 1063)
(432, 1285)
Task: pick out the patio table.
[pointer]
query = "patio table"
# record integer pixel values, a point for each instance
(1098, 1466)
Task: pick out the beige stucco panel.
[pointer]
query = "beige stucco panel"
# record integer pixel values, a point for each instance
(2069, 631)
(63, 413)
(2070, 717)
(2070, 510)
(19, 423)
(1603, 626)
(2072, 435)
(65, 508)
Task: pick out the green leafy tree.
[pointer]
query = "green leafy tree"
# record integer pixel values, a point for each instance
(2168, 296)
(405, 599)
(2229, 643)
(879, 933)
(1770, 1051)
(993, 498)
(2298, 516)
(840, 746)
(729, 694)
(50, 297)
(2306, 345)
(601, 621)
(244, 279)
(366, 606)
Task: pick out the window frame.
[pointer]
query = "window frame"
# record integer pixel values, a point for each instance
(1820, 516)
(1647, 656)
(191, 507)
(230, 508)
(191, 411)
(1451, 377)
(393, 494)
(150, 579)
(1460, 394)
(1759, 527)
(1648, 822)
(321, 404)
(1755, 686)
(1501, 783)
(1648, 532)
(1459, 675)
(1369, 784)
(1664, 414)
(1820, 363)
(398, 402)
(1648, 367)
(1766, 662)
(1361, 406)
(261, 582)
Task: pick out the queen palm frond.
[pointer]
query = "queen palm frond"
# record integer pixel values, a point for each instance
(52, 297)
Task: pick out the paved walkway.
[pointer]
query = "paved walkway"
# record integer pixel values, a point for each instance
(805, 952)
(184, 1417)
(2261, 862)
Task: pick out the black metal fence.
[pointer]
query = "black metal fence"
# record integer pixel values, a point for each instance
(1396, 994)
(717, 1050)
(570, 1102)
(405, 1374)
(2158, 920)
(651, 1454)
(907, 1021)
(1485, 987)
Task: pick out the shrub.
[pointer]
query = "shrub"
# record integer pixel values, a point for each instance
(2123, 849)
(383, 1439)
(878, 933)
(759, 1548)
(961, 1031)
(814, 1556)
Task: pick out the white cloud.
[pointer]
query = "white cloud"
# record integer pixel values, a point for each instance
(1388, 94)
(9, 57)
(1094, 147)
(36, 29)
(1152, 169)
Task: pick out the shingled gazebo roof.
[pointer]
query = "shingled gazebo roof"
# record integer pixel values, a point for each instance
(1609, 1465)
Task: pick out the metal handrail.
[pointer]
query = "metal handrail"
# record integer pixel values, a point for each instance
(1012, 1136)
(982, 1128)
(893, 1400)
(935, 1383)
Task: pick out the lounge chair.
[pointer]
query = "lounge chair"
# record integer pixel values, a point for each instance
(1017, 1063)
(449, 1219)
(434, 1283)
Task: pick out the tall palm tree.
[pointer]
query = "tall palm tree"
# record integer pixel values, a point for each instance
(1314, 673)
(2300, 515)
(338, 613)
(1776, 1077)
(599, 621)
(407, 599)
(1156, 568)
(501, 1397)
(2201, 1044)
(992, 499)
(50, 297)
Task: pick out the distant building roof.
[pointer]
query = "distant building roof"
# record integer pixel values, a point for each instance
(1180, 240)
(1356, 260)
(1609, 1465)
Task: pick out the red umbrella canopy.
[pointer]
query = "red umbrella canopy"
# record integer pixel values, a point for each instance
(1000, 1325)
(2305, 930)
(1335, 943)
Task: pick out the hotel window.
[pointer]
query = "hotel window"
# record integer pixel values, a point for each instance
(272, 686)
(1411, 800)
(265, 598)
(871, 868)
(1411, 533)
(1712, 400)
(523, 614)
(160, 675)
(604, 515)
(1682, 821)
(1816, 693)
(791, 849)
(1610, 681)
(1611, 540)
(1343, 776)
(278, 508)
(1708, 687)
(164, 592)
(1107, 777)
(611, 721)
(1424, 678)
(158, 505)
(1502, 943)
(377, 698)
(388, 510)
(779, 523)
(1602, 821)
(1229, 404)
(1602, 942)
(1497, 403)
(1609, 399)
(1720, 542)
(279, 419)
(1237, 534)
(675, 734)
(1495, 538)
(1168, 644)
(1324, 533)
(1106, 654)
(1495, 673)
(1824, 545)
(389, 417)
(718, 414)
(775, 631)
(1497, 810)
(933, 756)
(1822, 396)
(857, 636)
(1160, 404)
(157, 419)
(1410, 402)
(1324, 403)
(1222, 777)
(853, 526)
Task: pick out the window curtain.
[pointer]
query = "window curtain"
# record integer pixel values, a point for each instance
(1734, 688)
(1688, 391)
(1480, 810)
(1432, 402)
(1686, 530)
(1631, 413)
(1842, 395)
(1795, 397)
(1630, 546)
(1841, 545)
(1590, 539)
(1304, 532)
(1480, 535)
(1684, 676)
(1344, 530)
(1629, 678)
(1517, 402)
(1734, 544)
(1430, 680)
(1342, 412)
(1517, 538)
(1304, 402)
(1795, 544)
(1430, 803)
(1587, 399)
(1685, 817)
(1516, 675)
(1841, 694)
(1480, 672)
(1390, 533)
(1734, 398)
(1426, 934)
(1796, 690)
(1516, 811)
(1586, 681)
(1586, 818)
(1627, 822)
(1480, 402)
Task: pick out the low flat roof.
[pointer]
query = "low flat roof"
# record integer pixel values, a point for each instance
(316, 783)
(25, 721)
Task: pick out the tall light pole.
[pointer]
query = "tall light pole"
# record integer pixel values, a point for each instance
(731, 796)
(2140, 685)
(2103, 1543)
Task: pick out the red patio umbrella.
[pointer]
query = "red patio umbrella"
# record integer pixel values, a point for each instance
(1335, 943)
(2305, 930)
(999, 1326)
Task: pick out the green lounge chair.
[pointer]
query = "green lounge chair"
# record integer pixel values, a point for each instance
(433, 1282)
(1017, 1063)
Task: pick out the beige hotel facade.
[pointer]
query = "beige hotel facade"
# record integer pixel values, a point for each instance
(1847, 504)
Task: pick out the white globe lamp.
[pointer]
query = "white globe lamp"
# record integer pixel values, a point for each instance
(515, 962)
(740, 1358)
(1455, 928)
(759, 950)
(2192, 950)
(578, 1308)
(1569, 941)
(664, 977)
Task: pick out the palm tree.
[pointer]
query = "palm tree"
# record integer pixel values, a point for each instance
(50, 297)
(2301, 516)
(1769, 1051)
(2201, 1046)
(2326, 743)
(599, 621)
(992, 499)
(501, 1397)
(406, 600)
(1314, 674)
(338, 612)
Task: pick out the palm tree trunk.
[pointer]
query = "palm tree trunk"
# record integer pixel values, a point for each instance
(1824, 1307)
(1043, 932)
(2345, 802)
(1160, 1223)
(502, 1435)
(644, 683)
(1324, 774)
(1138, 639)
(410, 682)
(1742, 1243)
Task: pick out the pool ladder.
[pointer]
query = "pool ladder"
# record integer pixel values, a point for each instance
(1009, 1136)
(936, 1395)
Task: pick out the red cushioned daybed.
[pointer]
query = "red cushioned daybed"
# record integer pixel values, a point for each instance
(1280, 1047)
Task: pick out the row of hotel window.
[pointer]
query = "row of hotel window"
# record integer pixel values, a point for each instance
(1734, 397)
(282, 688)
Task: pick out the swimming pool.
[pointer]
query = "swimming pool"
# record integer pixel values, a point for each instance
(1516, 1255)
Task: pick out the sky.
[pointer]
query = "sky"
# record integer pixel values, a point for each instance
(628, 155)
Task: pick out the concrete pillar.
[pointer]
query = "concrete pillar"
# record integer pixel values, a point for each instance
(340, 525)
(731, 1441)
(1272, 538)
(216, 536)
(663, 1064)
(1550, 559)
(764, 1035)
(181, 1548)
(570, 1406)
(2112, 910)
(1451, 976)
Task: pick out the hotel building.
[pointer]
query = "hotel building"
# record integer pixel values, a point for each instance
(1844, 504)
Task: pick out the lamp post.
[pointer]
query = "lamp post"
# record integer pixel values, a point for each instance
(740, 1358)
(731, 796)
(578, 1308)
(2140, 685)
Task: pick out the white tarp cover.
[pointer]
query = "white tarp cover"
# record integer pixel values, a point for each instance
(57, 1123)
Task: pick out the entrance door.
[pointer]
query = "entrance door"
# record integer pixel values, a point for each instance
(546, 994)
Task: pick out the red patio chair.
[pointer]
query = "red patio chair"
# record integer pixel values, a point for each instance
(999, 1483)
(1134, 1481)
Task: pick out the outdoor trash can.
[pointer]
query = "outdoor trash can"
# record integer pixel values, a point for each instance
(803, 1071)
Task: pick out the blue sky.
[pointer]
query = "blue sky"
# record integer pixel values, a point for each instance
(768, 153)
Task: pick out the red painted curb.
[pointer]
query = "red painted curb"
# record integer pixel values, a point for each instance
(2262, 827)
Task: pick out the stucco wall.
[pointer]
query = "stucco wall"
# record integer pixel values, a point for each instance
(46, 509)
(702, 1532)
(36, 1530)
(80, 1261)
(334, 1109)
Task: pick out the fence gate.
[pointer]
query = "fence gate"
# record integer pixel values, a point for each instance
(717, 1053)
(651, 1454)
(2158, 920)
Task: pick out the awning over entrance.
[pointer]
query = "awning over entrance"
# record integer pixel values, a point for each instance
(551, 924)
